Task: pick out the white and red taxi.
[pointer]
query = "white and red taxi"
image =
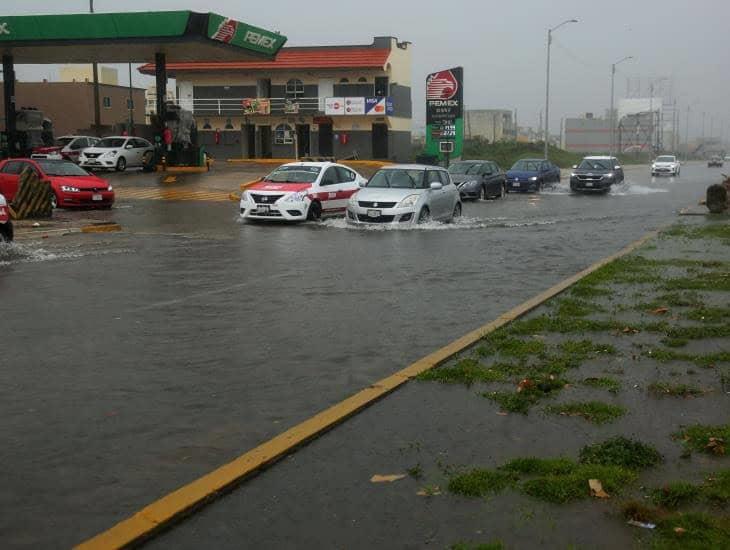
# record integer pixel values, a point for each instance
(6, 226)
(301, 191)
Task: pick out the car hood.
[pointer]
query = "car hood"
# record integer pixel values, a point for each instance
(280, 187)
(80, 182)
(522, 174)
(386, 194)
(587, 171)
(461, 178)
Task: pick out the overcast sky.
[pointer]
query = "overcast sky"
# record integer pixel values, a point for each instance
(501, 45)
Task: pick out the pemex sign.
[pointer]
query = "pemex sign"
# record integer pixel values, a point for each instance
(445, 112)
(234, 32)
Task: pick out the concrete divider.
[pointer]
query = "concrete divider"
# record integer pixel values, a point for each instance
(33, 199)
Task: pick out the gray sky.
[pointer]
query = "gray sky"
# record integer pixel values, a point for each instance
(501, 45)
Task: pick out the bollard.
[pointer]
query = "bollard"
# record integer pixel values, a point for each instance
(33, 199)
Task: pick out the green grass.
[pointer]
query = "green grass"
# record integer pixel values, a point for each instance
(621, 451)
(692, 531)
(709, 314)
(480, 482)
(675, 299)
(506, 153)
(593, 411)
(674, 495)
(559, 324)
(562, 488)
(711, 281)
(589, 291)
(496, 545)
(665, 389)
(574, 307)
(465, 371)
(416, 472)
(514, 347)
(539, 466)
(584, 349)
(521, 401)
(609, 384)
(699, 359)
(706, 439)
(707, 231)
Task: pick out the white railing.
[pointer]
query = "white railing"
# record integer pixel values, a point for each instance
(245, 106)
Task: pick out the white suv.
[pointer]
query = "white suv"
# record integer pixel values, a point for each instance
(665, 165)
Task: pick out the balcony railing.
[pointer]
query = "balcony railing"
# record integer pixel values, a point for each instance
(247, 106)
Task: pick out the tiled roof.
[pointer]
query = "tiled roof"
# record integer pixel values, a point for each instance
(292, 58)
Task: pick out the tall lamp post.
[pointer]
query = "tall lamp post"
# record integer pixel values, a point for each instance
(613, 115)
(547, 81)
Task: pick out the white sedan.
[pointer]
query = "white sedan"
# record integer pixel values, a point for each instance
(301, 191)
(117, 153)
(665, 165)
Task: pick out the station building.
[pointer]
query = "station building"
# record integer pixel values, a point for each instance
(341, 101)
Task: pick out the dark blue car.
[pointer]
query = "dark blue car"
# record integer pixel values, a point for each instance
(530, 175)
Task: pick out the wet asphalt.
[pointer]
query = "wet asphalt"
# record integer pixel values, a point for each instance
(136, 362)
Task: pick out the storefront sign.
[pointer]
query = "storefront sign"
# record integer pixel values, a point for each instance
(256, 106)
(445, 111)
(334, 106)
(291, 108)
(354, 105)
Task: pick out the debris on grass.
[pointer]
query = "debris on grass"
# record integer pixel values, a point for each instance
(564, 488)
(665, 389)
(693, 530)
(593, 411)
(620, 451)
(705, 439)
(528, 392)
(429, 491)
(674, 495)
(597, 489)
(609, 384)
(387, 478)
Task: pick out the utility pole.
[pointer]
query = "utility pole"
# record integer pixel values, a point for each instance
(612, 115)
(686, 134)
(547, 82)
(95, 73)
(131, 103)
(703, 128)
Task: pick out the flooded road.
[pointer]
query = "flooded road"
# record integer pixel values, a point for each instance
(136, 362)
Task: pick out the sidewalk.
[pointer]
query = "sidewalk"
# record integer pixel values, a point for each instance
(625, 378)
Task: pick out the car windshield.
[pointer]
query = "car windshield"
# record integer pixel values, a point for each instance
(665, 159)
(464, 168)
(595, 164)
(61, 168)
(399, 178)
(527, 165)
(294, 174)
(63, 141)
(107, 143)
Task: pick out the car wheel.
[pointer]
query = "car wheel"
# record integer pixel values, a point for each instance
(54, 200)
(315, 212)
(457, 211)
(6, 232)
(121, 164)
(424, 215)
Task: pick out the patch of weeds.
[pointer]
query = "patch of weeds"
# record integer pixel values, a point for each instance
(593, 411)
(416, 472)
(539, 466)
(529, 392)
(497, 545)
(665, 389)
(564, 325)
(583, 349)
(480, 482)
(674, 495)
(574, 485)
(712, 280)
(701, 360)
(692, 530)
(610, 384)
(573, 307)
(675, 342)
(466, 371)
(638, 511)
(706, 439)
(700, 332)
(709, 314)
(621, 451)
(516, 347)
(708, 231)
(582, 290)
(716, 489)
(675, 299)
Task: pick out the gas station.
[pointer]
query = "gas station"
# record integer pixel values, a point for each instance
(134, 37)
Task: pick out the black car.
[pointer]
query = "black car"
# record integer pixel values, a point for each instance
(596, 175)
(715, 161)
(478, 179)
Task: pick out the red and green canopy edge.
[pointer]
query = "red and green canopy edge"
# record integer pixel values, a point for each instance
(133, 36)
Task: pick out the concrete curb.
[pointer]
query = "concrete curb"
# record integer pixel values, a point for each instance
(176, 505)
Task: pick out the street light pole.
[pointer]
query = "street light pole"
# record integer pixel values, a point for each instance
(95, 75)
(547, 82)
(612, 115)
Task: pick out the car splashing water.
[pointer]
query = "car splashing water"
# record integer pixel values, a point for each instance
(16, 253)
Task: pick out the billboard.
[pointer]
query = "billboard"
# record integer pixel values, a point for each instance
(230, 31)
(354, 105)
(256, 106)
(445, 112)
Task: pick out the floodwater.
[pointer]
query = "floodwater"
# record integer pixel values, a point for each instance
(138, 361)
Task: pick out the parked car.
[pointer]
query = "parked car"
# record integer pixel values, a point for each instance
(6, 225)
(301, 191)
(408, 193)
(117, 153)
(596, 174)
(478, 179)
(71, 185)
(530, 175)
(715, 161)
(665, 165)
(65, 147)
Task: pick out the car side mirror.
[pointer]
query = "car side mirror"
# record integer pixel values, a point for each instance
(617, 167)
(436, 185)
(129, 146)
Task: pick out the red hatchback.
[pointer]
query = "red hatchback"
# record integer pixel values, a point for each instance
(72, 186)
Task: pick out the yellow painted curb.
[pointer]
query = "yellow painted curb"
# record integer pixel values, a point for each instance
(175, 505)
(183, 169)
(248, 184)
(235, 197)
(170, 179)
(101, 228)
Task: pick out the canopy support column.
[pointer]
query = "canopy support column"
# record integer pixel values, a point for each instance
(161, 78)
(9, 100)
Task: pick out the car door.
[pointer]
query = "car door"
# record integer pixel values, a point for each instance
(491, 179)
(9, 178)
(327, 192)
(450, 193)
(436, 197)
(348, 184)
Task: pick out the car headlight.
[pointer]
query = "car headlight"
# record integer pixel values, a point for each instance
(69, 189)
(609, 175)
(573, 174)
(533, 178)
(297, 197)
(409, 201)
(110, 154)
(653, 165)
(246, 197)
(110, 188)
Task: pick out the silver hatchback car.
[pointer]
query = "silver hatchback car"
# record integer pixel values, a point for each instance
(406, 193)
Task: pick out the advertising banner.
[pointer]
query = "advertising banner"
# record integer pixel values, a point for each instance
(375, 106)
(334, 106)
(445, 111)
(256, 106)
(354, 105)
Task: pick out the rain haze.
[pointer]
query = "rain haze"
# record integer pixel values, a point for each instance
(502, 47)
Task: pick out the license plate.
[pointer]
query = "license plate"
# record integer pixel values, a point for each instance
(260, 209)
(515, 184)
(589, 184)
(96, 197)
(373, 213)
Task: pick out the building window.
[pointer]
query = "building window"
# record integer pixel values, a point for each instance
(362, 80)
(229, 124)
(283, 134)
(344, 80)
(294, 88)
(107, 102)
